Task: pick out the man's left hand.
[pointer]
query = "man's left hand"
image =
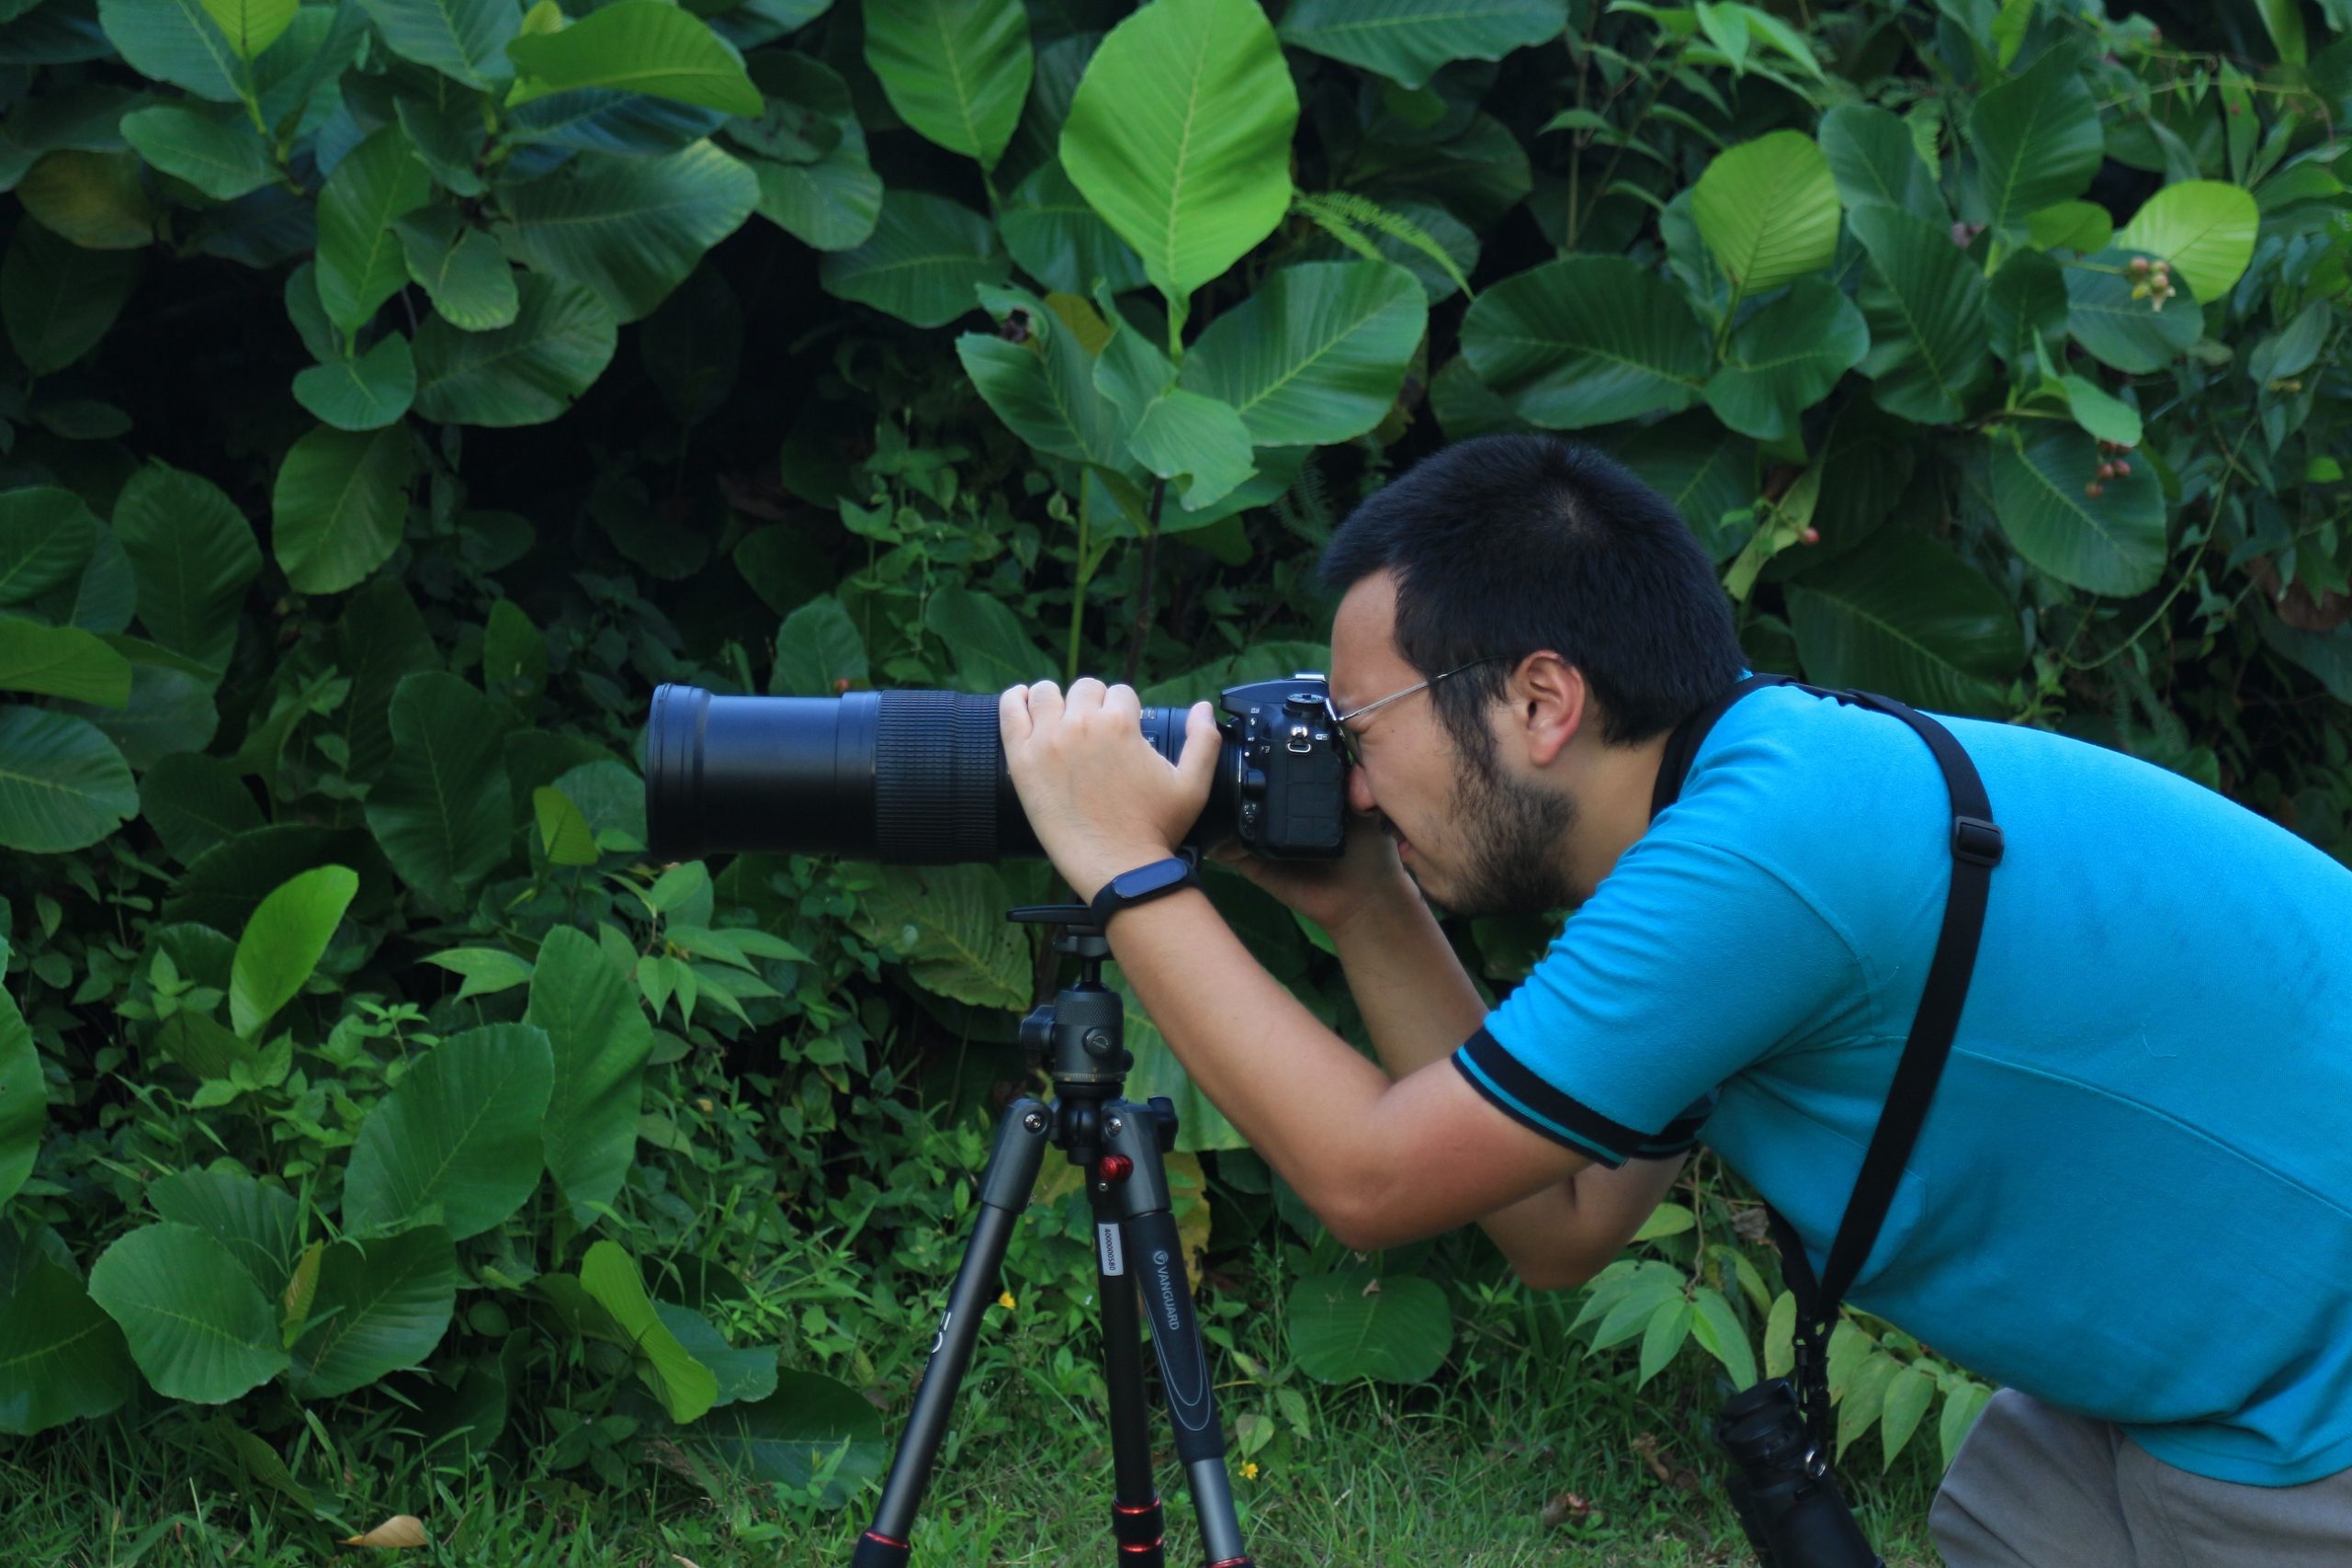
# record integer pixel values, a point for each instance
(1100, 799)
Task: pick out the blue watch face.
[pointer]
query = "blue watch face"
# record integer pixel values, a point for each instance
(1149, 878)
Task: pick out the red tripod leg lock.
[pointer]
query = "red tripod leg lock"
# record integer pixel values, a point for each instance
(880, 1551)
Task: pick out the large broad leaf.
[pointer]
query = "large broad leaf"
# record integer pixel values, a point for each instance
(946, 924)
(365, 392)
(58, 299)
(24, 1102)
(527, 372)
(196, 1324)
(1316, 355)
(380, 1306)
(2038, 142)
(193, 555)
(176, 41)
(1876, 163)
(65, 1357)
(1184, 437)
(2132, 335)
(169, 710)
(461, 268)
(1043, 387)
(819, 652)
(1060, 241)
(1408, 41)
(829, 205)
(1157, 1072)
(607, 119)
(441, 810)
(360, 264)
(1903, 616)
(260, 1226)
(1356, 1324)
(194, 802)
(792, 1433)
(46, 538)
(1180, 136)
(740, 1374)
(379, 639)
(926, 256)
(2204, 228)
(1786, 357)
(459, 1133)
(98, 200)
(2110, 543)
(956, 69)
(283, 942)
(683, 1385)
(1704, 469)
(643, 45)
(339, 505)
(1925, 305)
(461, 38)
(600, 1039)
(1768, 210)
(219, 153)
(60, 662)
(984, 638)
(251, 26)
(2027, 296)
(63, 783)
(1584, 341)
(630, 229)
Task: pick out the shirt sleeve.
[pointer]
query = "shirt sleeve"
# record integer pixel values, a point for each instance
(1688, 963)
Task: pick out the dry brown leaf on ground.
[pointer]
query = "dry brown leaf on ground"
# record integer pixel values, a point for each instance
(401, 1529)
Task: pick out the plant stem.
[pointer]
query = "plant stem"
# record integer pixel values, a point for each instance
(1077, 588)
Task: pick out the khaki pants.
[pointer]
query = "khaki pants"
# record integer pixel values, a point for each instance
(2035, 1488)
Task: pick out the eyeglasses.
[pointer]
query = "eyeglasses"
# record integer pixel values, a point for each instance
(1347, 737)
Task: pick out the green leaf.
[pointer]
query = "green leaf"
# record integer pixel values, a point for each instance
(984, 638)
(1704, 469)
(685, 1386)
(98, 200)
(1907, 1398)
(2136, 336)
(922, 262)
(222, 156)
(1408, 41)
(1059, 241)
(819, 652)
(169, 710)
(461, 38)
(487, 970)
(1717, 1330)
(176, 41)
(193, 555)
(251, 26)
(1316, 355)
(2205, 228)
(1179, 136)
(829, 205)
(2075, 225)
(957, 70)
(203, 1047)
(2284, 22)
(641, 46)
(46, 536)
(1786, 357)
(260, 1226)
(740, 1374)
(1924, 307)
(59, 301)
(1669, 1327)
(1872, 159)
(1962, 1406)
(2112, 543)
(60, 662)
(66, 1358)
(1585, 340)
(527, 372)
(379, 639)
(461, 268)
(600, 1039)
(1198, 442)
(194, 1321)
(1863, 1399)
(1666, 1219)
(1356, 1324)
(946, 924)
(24, 1110)
(283, 942)
(363, 393)
(1768, 210)
(563, 831)
(630, 229)
(788, 1436)
(2027, 296)
(2038, 142)
(459, 1133)
(1780, 1337)
(1903, 616)
(339, 505)
(63, 783)
(441, 808)
(360, 261)
(2100, 412)
(194, 802)
(381, 1306)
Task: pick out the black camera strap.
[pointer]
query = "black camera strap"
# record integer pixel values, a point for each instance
(1975, 843)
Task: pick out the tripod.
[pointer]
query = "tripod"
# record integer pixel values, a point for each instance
(1118, 1145)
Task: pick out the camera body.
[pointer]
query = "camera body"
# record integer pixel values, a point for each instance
(1290, 780)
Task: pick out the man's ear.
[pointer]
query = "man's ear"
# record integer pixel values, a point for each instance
(1552, 704)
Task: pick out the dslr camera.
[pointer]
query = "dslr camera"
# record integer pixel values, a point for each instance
(918, 777)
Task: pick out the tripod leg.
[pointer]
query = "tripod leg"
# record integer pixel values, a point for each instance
(1157, 1257)
(1005, 1187)
(1136, 1519)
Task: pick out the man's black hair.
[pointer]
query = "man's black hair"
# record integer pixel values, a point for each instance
(1504, 545)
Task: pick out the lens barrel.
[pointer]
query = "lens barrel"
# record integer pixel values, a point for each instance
(912, 777)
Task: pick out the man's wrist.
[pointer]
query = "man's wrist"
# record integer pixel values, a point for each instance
(1099, 869)
(1385, 901)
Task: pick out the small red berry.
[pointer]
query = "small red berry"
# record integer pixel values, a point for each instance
(2091, 489)
(2106, 470)
(2122, 468)
(2139, 265)
(1811, 536)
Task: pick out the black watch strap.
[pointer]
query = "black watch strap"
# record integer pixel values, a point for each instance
(1143, 885)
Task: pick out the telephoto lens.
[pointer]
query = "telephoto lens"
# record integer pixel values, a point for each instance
(912, 777)
(1787, 1500)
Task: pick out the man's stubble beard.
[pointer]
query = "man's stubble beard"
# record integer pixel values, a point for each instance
(1512, 835)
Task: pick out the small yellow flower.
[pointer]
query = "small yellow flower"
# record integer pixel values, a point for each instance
(1005, 1301)
(1250, 1471)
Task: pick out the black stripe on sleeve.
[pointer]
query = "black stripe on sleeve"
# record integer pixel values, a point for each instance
(1555, 1114)
(1682, 1133)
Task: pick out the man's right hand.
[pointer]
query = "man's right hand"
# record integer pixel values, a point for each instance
(1331, 893)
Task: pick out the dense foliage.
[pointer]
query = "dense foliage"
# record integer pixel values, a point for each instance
(396, 391)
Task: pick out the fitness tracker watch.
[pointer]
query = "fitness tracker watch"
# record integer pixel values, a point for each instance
(1143, 885)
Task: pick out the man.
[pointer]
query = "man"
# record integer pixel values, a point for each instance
(2131, 1200)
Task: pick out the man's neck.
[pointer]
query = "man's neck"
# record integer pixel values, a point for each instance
(1612, 810)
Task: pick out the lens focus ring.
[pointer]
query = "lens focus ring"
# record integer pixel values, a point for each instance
(936, 759)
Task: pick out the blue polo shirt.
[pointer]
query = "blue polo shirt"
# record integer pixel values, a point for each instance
(2133, 1196)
